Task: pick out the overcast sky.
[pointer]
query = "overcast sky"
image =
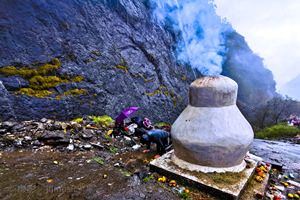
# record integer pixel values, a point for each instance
(272, 30)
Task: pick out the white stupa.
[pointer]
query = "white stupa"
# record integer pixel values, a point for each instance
(211, 134)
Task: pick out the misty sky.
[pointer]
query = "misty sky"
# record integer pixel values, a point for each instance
(272, 30)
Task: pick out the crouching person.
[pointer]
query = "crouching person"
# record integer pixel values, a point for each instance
(160, 137)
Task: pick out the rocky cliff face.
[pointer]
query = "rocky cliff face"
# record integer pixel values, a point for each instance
(110, 56)
(64, 59)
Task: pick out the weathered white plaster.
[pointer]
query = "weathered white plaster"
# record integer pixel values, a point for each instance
(217, 137)
(198, 168)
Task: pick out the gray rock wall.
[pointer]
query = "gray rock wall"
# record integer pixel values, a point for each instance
(125, 59)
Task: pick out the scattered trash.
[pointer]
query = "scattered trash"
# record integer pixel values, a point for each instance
(172, 183)
(290, 195)
(259, 178)
(291, 176)
(259, 195)
(109, 132)
(187, 191)
(55, 162)
(127, 139)
(137, 146)
(294, 183)
(285, 184)
(49, 180)
(277, 197)
(281, 188)
(104, 176)
(163, 179)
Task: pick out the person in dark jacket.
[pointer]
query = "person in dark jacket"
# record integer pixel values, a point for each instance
(160, 137)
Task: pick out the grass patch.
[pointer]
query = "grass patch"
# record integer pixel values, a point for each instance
(125, 173)
(107, 137)
(114, 150)
(146, 179)
(97, 160)
(276, 132)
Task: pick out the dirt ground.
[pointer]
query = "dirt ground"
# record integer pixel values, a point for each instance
(55, 175)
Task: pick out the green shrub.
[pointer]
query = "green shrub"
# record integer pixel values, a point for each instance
(78, 120)
(103, 120)
(277, 131)
(160, 124)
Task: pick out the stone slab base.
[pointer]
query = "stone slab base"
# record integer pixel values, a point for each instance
(193, 167)
(165, 166)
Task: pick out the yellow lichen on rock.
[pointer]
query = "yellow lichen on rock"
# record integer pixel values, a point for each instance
(96, 53)
(72, 93)
(34, 93)
(122, 67)
(28, 73)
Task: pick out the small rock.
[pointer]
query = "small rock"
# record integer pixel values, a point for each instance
(18, 143)
(57, 126)
(70, 147)
(98, 145)
(49, 121)
(65, 125)
(8, 125)
(117, 165)
(75, 125)
(142, 195)
(87, 146)
(3, 131)
(18, 127)
(27, 138)
(44, 120)
(85, 136)
(36, 143)
(92, 123)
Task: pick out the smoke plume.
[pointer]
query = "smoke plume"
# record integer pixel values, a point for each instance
(201, 43)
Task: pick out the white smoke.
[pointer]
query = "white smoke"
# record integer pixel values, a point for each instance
(201, 43)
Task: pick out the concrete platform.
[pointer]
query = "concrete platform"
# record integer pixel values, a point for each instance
(227, 185)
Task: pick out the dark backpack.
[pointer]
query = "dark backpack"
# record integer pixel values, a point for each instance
(137, 121)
